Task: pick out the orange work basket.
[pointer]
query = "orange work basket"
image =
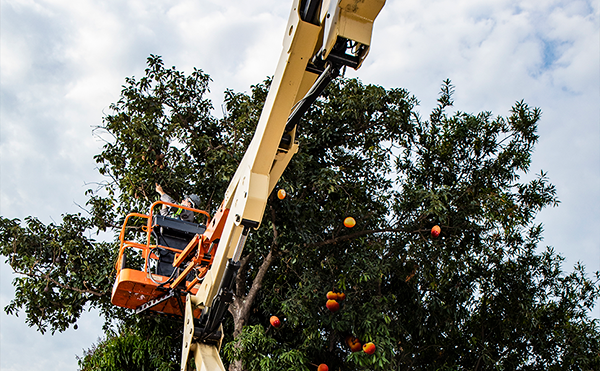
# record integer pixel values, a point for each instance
(176, 257)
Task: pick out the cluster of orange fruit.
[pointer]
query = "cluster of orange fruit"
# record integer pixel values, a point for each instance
(355, 345)
(332, 300)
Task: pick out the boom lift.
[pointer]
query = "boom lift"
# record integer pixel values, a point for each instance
(199, 263)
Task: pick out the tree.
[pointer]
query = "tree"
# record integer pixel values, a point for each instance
(481, 295)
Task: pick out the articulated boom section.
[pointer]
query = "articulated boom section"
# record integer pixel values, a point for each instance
(321, 37)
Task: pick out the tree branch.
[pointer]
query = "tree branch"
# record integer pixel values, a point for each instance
(88, 291)
(240, 280)
(242, 305)
(352, 236)
(262, 271)
(62, 285)
(256, 285)
(364, 233)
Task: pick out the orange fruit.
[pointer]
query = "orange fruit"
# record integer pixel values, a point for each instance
(435, 231)
(349, 222)
(275, 322)
(333, 305)
(353, 343)
(281, 194)
(369, 348)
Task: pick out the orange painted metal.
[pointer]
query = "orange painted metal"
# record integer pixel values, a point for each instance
(133, 288)
(183, 275)
(213, 232)
(188, 249)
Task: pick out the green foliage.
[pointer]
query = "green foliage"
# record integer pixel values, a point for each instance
(479, 296)
(61, 271)
(161, 131)
(145, 344)
(484, 294)
(261, 351)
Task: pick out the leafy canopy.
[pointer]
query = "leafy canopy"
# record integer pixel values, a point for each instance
(484, 294)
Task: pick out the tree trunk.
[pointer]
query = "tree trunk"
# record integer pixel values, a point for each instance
(236, 365)
(242, 301)
(240, 308)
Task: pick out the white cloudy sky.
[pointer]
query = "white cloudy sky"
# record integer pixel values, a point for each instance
(63, 62)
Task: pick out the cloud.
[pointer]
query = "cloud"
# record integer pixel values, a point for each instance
(63, 62)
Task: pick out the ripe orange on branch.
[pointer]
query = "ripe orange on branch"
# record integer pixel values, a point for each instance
(333, 305)
(369, 348)
(336, 295)
(281, 194)
(354, 344)
(435, 231)
(349, 222)
(275, 322)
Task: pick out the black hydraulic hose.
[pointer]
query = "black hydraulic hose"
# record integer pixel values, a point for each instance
(329, 74)
(308, 10)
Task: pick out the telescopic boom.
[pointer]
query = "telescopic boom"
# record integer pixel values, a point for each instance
(321, 37)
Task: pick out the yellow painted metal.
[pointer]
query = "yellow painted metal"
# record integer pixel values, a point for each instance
(188, 333)
(350, 19)
(206, 356)
(264, 160)
(282, 159)
(248, 191)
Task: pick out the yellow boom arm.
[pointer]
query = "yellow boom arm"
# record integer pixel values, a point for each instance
(320, 38)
